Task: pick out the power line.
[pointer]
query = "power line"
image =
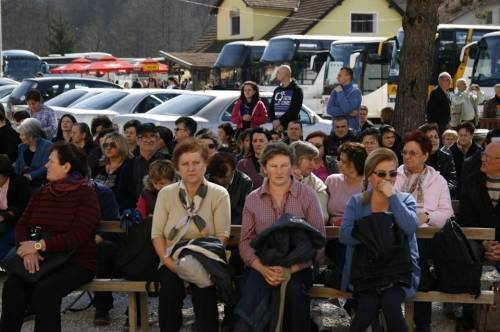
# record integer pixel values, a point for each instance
(281, 16)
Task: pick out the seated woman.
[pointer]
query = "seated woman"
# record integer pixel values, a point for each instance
(250, 164)
(369, 138)
(279, 194)
(325, 165)
(432, 195)
(115, 157)
(14, 196)
(33, 152)
(190, 209)
(64, 128)
(67, 207)
(348, 183)
(380, 173)
(440, 160)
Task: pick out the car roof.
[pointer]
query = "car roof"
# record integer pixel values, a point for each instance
(66, 78)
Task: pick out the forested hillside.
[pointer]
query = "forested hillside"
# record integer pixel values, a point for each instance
(121, 27)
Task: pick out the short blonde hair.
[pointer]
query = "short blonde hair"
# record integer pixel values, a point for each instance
(450, 132)
(121, 146)
(376, 157)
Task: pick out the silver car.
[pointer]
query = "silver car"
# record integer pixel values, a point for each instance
(114, 102)
(210, 109)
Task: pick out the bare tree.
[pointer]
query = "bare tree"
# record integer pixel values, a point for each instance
(419, 24)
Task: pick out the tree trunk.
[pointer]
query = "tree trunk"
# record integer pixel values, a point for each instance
(415, 59)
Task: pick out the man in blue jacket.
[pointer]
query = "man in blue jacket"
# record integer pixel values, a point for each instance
(345, 99)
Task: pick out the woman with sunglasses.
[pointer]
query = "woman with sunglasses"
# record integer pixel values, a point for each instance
(380, 199)
(430, 191)
(115, 155)
(210, 141)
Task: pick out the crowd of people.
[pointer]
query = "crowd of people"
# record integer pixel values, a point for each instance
(58, 179)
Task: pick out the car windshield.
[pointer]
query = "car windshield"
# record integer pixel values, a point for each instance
(101, 101)
(65, 99)
(6, 90)
(22, 89)
(183, 105)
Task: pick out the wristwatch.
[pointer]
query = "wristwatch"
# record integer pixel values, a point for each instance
(38, 246)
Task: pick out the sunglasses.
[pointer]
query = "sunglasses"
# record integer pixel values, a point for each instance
(111, 145)
(383, 174)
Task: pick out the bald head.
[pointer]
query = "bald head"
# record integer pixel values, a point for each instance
(284, 74)
(490, 159)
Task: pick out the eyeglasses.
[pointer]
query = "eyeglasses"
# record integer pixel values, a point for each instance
(383, 174)
(111, 145)
(150, 136)
(179, 129)
(410, 153)
(487, 157)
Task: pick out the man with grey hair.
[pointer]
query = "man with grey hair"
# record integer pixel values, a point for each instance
(33, 152)
(438, 105)
(305, 154)
(287, 100)
(464, 103)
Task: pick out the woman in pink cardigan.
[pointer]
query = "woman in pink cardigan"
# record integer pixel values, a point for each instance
(431, 192)
(249, 111)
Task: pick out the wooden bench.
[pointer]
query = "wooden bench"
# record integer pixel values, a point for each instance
(317, 291)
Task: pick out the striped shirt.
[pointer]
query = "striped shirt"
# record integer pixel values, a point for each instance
(493, 187)
(260, 212)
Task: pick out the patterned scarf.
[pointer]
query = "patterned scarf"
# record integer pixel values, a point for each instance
(192, 208)
(413, 185)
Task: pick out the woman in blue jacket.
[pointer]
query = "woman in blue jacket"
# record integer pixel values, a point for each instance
(33, 152)
(380, 173)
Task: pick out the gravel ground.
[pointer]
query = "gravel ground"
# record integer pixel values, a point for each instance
(328, 316)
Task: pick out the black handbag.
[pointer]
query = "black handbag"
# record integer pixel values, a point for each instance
(13, 263)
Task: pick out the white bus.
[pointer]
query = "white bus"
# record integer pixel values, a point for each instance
(486, 70)
(369, 57)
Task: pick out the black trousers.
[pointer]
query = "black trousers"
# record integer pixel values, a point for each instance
(44, 298)
(297, 313)
(172, 294)
(423, 310)
(368, 304)
(107, 253)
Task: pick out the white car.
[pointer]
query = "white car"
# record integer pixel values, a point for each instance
(210, 109)
(113, 102)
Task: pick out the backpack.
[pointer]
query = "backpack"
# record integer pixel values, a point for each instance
(457, 264)
(137, 259)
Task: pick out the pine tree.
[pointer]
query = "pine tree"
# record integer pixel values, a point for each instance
(61, 37)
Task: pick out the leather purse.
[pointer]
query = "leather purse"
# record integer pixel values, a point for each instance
(13, 263)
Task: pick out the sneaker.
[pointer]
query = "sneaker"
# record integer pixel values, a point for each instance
(101, 318)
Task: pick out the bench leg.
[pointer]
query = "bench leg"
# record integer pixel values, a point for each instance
(409, 310)
(132, 312)
(144, 312)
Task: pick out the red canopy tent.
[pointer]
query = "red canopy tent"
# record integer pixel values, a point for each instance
(151, 66)
(108, 64)
(75, 66)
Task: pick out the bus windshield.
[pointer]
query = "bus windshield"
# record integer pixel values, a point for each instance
(340, 55)
(238, 63)
(487, 66)
(21, 68)
(306, 58)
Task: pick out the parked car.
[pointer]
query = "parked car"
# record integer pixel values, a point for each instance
(114, 102)
(211, 108)
(72, 97)
(50, 87)
(7, 81)
(6, 90)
